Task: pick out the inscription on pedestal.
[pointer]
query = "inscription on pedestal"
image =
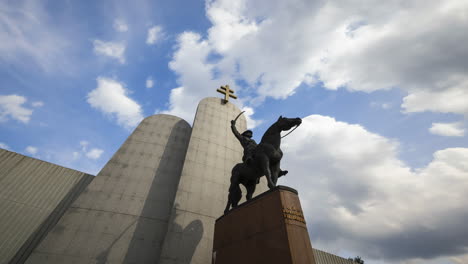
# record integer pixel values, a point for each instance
(294, 214)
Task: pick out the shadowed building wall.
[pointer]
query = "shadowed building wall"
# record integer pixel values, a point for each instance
(122, 216)
(33, 195)
(203, 188)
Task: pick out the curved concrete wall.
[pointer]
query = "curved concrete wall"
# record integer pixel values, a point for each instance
(202, 194)
(122, 216)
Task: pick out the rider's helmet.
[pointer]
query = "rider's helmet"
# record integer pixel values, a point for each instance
(247, 133)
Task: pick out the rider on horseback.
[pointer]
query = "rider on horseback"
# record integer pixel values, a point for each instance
(258, 160)
(247, 142)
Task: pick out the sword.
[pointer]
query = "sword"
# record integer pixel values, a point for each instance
(235, 119)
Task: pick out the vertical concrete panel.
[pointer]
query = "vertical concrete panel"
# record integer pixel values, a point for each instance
(122, 216)
(202, 193)
(32, 194)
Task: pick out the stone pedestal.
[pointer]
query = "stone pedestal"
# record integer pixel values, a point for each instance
(267, 229)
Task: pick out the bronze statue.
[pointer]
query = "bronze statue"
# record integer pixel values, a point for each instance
(258, 160)
(246, 140)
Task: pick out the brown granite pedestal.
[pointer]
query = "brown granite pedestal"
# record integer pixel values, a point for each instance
(268, 229)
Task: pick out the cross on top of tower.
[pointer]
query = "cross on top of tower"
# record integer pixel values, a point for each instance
(227, 93)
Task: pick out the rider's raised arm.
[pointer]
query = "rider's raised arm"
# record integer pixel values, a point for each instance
(234, 130)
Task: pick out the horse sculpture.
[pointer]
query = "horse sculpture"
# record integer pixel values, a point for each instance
(266, 162)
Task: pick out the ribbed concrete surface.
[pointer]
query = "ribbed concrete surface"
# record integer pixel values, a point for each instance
(322, 257)
(31, 191)
(202, 193)
(122, 216)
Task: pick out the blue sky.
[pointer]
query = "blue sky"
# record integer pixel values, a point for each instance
(386, 83)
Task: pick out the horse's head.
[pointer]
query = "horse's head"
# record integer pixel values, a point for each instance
(285, 123)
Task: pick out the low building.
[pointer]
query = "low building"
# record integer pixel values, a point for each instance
(34, 194)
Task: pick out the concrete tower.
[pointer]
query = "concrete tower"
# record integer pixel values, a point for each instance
(122, 216)
(203, 188)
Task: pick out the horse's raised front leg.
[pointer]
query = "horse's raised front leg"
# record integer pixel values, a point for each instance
(264, 164)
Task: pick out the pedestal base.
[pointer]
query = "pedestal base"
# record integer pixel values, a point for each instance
(267, 229)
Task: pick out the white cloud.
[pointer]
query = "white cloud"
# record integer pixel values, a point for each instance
(195, 75)
(11, 106)
(274, 46)
(149, 82)
(37, 104)
(114, 50)
(111, 97)
(4, 146)
(251, 123)
(385, 106)
(94, 153)
(120, 25)
(31, 150)
(76, 155)
(450, 97)
(155, 34)
(197, 78)
(448, 129)
(84, 145)
(358, 195)
(33, 37)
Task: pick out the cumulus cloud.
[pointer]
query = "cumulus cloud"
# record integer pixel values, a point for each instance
(359, 196)
(249, 112)
(155, 34)
(111, 98)
(31, 150)
(149, 82)
(11, 106)
(111, 49)
(4, 146)
(198, 78)
(275, 46)
(120, 25)
(446, 100)
(94, 153)
(448, 129)
(194, 74)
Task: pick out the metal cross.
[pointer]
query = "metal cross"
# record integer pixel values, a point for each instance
(227, 93)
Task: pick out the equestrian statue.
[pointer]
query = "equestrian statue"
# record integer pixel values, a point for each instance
(258, 160)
